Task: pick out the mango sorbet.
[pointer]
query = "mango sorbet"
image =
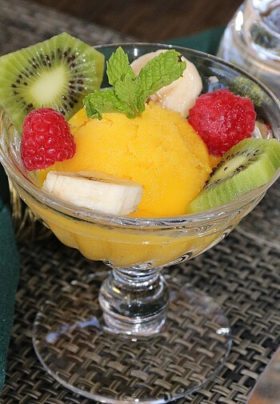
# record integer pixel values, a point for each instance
(158, 150)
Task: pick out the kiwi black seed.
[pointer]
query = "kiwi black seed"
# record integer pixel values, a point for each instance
(248, 165)
(56, 73)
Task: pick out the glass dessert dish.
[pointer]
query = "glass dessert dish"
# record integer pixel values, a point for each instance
(252, 41)
(142, 338)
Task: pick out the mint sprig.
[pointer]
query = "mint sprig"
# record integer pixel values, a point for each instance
(129, 92)
(118, 67)
(101, 101)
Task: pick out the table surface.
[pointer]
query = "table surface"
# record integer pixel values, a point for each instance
(150, 20)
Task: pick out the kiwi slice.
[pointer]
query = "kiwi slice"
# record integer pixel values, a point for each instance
(248, 165)
(56, 73)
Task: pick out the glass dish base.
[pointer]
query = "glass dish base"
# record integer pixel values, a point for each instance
(75, 347)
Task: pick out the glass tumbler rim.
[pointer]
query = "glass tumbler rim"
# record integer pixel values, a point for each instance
(260, 11)
(17, 175)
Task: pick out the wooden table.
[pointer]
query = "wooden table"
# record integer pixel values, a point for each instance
(150, 20)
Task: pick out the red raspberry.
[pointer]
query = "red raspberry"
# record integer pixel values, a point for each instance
(46, 138)
(222, 119)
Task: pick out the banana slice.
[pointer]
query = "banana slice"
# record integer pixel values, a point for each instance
(180, 95)
(94, 191)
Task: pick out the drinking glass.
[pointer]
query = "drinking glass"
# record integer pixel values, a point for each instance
(140, 337)
(252, 41)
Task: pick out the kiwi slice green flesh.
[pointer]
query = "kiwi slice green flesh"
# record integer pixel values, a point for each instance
(56, 73)
(246, 166)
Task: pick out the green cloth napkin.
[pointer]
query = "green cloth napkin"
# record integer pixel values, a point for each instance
(9, 261)
(4, 188)
(206, 41)
(9, 272)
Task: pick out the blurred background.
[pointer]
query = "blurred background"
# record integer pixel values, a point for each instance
(150, 20)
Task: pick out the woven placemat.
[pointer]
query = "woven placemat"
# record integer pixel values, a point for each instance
(241, 273)
(264, 222)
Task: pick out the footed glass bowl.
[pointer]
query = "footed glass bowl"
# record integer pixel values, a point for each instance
(141, 338)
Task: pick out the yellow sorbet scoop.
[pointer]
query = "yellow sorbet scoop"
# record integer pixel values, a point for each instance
(158, 150)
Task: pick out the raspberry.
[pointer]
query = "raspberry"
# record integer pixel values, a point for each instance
(46, 138)
(222, 119)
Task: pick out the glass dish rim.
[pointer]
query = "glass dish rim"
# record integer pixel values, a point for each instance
(90, 216)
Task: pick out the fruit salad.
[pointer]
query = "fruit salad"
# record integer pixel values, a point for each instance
(151, 143)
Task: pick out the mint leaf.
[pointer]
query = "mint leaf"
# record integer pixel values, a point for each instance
(126, 92)
(160, 71)
(118, 67)
(101, 101)
(129, 92)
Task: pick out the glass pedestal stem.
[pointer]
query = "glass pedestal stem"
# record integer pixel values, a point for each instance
(129, 353)
(134, 301)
